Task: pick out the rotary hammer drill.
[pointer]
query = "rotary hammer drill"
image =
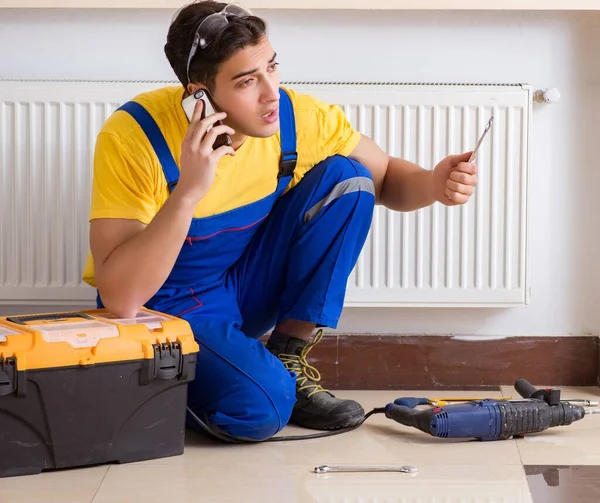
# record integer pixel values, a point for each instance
(491, 419)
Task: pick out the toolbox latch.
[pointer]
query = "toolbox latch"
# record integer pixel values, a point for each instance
(166, 364)
(8, 376)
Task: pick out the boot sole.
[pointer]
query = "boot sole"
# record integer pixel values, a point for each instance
(333, 422)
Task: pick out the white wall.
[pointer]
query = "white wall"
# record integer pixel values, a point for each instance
(545, 50)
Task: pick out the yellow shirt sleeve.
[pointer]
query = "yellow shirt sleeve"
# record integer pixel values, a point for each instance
(123, 184)
(335, 133)
(322, 130)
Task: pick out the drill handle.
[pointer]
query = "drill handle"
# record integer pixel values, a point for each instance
(525, 388)
(551, 396)
(420, 419)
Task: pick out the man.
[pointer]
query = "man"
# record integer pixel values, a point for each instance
(243, 238)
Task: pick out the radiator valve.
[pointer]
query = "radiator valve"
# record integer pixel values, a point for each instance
(550, 95)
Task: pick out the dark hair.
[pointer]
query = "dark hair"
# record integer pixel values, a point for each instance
(239, 33)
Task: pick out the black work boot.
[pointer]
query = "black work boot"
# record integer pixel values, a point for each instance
(315, 408)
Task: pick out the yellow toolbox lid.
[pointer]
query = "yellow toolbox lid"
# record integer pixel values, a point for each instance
(52, 340)
(6, 331)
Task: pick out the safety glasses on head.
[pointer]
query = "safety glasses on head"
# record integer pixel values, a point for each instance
(211, 26)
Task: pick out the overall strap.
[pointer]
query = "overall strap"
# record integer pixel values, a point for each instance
(157, 140)
(287, 124)
(287, 161)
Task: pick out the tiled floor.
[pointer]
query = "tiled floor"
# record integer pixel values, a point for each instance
(282, 472)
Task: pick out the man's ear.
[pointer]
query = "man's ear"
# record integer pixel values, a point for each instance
(192, 87)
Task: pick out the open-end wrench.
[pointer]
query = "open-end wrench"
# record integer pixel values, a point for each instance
(349, 468)
(582, 401)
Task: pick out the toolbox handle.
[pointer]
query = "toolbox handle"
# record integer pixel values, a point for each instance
(22, 320)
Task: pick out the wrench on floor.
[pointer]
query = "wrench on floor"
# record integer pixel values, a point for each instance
(358, 468)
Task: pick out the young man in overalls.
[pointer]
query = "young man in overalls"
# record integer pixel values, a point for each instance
(243, 238)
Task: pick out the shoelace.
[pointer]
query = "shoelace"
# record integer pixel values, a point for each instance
(307, 375)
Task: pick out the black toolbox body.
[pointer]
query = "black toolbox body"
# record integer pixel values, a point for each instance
(80, 389)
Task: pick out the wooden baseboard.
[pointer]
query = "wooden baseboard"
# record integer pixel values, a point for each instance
(373, 362)
(443, 362)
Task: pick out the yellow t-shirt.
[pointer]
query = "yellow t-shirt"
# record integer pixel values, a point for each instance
(129, 182)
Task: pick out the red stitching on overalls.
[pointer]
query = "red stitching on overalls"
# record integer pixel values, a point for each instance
(232, 229)
(200, 304)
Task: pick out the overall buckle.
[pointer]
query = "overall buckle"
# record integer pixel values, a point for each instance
(287, 164)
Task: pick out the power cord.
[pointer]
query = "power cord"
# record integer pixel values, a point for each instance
(285, 438)
(378, 410)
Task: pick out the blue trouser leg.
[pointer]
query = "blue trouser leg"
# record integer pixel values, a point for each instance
(297, 266)
(298, 263)
(239, 387)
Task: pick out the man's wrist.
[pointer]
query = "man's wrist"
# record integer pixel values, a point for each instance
(185, 200)
(431, 186)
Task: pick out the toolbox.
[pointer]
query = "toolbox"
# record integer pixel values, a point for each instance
(86, 388)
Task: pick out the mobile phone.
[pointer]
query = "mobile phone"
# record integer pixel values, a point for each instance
(188, 105)
(485, 131)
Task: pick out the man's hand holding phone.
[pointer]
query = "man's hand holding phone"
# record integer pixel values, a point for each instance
(199, 159)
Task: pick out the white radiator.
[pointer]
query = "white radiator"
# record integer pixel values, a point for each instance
(472, 255)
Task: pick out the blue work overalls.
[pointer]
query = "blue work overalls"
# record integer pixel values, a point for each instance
(239, 273)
